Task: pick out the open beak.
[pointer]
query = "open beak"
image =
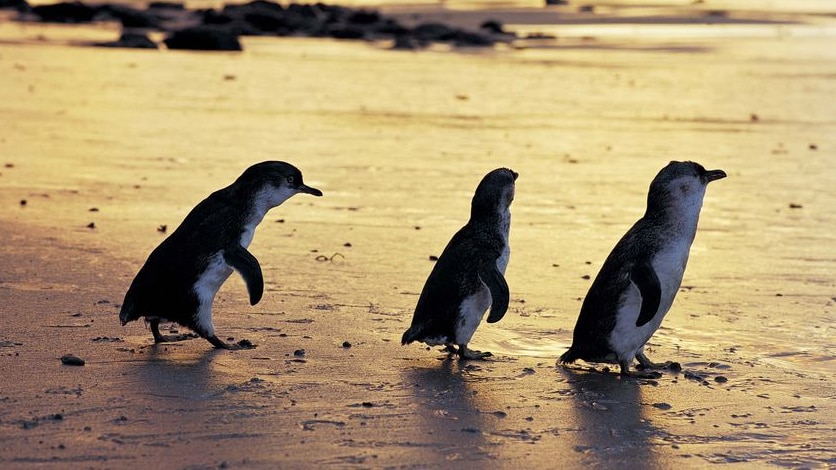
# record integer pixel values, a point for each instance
(712, 175)
(303, 188)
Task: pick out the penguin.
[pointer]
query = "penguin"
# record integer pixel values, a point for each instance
(180, 278)
(640, 278)
(469, 276)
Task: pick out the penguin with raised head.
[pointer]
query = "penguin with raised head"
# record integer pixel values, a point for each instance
(469, 276)
(180, 278)
(640, 278)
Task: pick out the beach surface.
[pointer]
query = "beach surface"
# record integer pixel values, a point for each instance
(103, 152)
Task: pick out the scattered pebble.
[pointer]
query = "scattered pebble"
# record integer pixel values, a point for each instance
(70, 360)
(586, 276)
(433, 258)
(245, 343)
(23, 202)
(720, 379)
(162, 228)
(795, 206)
(299, 353)
(91, 225)
(500, 414)
(813, 147)
(662, 406)
(346, 344)
(754, 117)
(347, 245)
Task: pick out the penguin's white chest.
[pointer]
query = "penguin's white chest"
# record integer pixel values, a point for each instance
(207, 285)
(669, 264)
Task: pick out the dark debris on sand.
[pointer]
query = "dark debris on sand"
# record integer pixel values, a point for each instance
(219, 29)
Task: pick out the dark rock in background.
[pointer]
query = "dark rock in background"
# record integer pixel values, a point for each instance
(204, 38)
(211, 29)
(19, 5)
(75, 12)
(131, 40)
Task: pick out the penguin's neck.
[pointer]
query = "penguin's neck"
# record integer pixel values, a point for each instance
(496, 220)
(260, 203)
(679, 216)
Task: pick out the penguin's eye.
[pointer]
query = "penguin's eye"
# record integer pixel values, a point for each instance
(291, 179)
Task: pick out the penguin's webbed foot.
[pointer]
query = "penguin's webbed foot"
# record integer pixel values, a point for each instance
(160, 338)
(220, 344)
(472, 354)
(626, 372)
(647, 364)
(174, 338)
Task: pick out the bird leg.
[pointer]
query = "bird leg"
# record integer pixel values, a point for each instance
(647, 364)
(625, 372)
(465, 353)
(159, 338)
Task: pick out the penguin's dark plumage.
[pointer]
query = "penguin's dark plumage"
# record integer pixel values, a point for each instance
(640, 278)
(180, 278)
(469, 275)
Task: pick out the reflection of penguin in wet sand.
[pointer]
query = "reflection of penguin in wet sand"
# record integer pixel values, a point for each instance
(639, 280)
(469, 275)
(179, 280)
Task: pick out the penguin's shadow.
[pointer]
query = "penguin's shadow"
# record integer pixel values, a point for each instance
(445, 393)
(171, 373)
(610, 416)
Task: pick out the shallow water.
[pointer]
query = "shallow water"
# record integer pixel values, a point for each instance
(398, 141)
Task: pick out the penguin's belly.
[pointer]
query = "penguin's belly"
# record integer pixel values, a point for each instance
(207, 285)
(627, 339)
(471, 311)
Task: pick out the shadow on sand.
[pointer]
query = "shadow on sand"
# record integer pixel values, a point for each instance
(610, 421)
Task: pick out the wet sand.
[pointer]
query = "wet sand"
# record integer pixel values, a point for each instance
(131, 140)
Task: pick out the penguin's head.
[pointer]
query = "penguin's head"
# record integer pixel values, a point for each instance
(275, 181)
(680, 185)
(495, 193)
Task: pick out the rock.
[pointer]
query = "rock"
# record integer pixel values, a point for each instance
(470, 39)
(131, 41)
(347, 32)
(204, 38)
(492, 26)
(19, 5)
(364, 17)
(75, 12)
(405, 42)
(557, 2)
(166, 6)
(129, 17)
(70, 360)
(433, 32)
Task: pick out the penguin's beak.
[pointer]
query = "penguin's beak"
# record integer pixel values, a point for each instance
(303, 188)
(712, 175)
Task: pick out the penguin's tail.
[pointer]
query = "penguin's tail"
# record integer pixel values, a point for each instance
(128, 313)
(569, 356)
(410, 335)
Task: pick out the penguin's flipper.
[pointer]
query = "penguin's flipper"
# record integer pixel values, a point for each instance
(247, 266)
(645, 278)
(490, 275)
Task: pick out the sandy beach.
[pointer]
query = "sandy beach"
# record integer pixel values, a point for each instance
(101, 148)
